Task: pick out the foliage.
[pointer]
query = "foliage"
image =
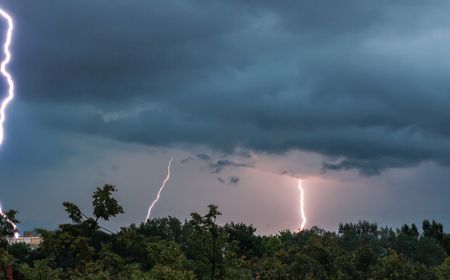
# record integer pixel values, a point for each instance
(105, 206)
(200, 248)
(6, 227)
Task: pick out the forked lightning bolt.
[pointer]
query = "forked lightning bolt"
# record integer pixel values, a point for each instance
(10, 84)
(302, 205)
(160, 190)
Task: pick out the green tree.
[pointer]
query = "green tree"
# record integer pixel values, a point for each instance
(20, 251)
(160, 272)
(433, 230)
(429, 252)
(165, 253)
(443, 270)
(105, 207)
(249, 245)
(406, 240)
(6, 223)
(169, 228)
(206, 241)
(393, 267)
(41, 270)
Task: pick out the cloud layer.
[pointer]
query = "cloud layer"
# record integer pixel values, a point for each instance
(366, 85)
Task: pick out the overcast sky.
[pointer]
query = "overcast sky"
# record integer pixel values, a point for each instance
(351, 96)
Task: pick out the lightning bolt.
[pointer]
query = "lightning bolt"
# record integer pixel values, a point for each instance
(10, 82)
(166, 179)
(16, 231)
(4, 71)
(302, 205)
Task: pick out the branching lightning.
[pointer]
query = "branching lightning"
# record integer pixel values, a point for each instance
(166, 179)
(9, 97)
(302, 206)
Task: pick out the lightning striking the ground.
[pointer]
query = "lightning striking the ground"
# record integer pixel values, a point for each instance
(10, 84)
(13, 225)
(166, 179)
(302, 205)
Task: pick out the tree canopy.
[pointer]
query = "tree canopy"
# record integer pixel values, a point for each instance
(200, 248)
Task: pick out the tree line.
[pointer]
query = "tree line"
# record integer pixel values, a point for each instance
(199, 248)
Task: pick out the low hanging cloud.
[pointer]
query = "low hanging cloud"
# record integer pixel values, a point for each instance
(219, 165)
(366, 85)
(234, 180)
(204, 157)
(186, 160)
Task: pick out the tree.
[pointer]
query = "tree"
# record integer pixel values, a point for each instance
(206, 241)
(6, 223)
(160, 272)
(130, 245)
(446, 243)
(20, 251)
(199, 248)
(406, 240)
(165, 253)
(364, 257)
(169, 228)
(41, 269)
(443, 270)
(105, 207)
(353, 235)
(433, 230)
(77, 246)
(6, 263)
(74, 212)
(249, 245)
(429, 252)
(393, 267)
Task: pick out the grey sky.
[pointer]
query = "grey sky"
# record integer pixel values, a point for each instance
(357, 88)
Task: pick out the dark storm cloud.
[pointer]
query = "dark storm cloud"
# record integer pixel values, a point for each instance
(234, 180)
(219, 165)
(186, 159)
(204, 157)
(27, 145)
(362, 83)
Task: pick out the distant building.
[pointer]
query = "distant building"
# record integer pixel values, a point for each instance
(27, 238)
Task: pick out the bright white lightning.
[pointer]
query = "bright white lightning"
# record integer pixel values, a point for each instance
(302, 205)
(4, 71)
(16, 231)
(10, 82)
(166, 179)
